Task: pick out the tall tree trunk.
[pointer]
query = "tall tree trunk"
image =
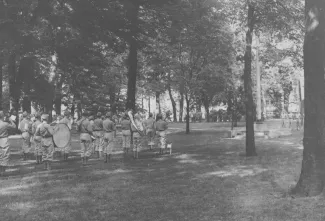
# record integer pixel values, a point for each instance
(187, 113)
(112, 98)
(133, 56)
(181, 107)
(173, 103)
(312, 177)
(58, 97)
(264, 116)
(235, 120)
(142, 103)
(14, 86)
(1, 88)
(149, 104)
(158, 108)
(207, 111)
(249, 103)
(73, 109)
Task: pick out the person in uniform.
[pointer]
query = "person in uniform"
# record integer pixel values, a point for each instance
(37, 139)
(86, 129)
(109, 134)
(67, 149)
(98, 134)
(5, 127)
(136, 129)
(161, 127)
(91, 121)
(150, 129)
(126, 132)
(26, 129)
(45, 131)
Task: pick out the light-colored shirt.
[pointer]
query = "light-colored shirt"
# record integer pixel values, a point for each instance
(126, 124)
(44, 130)
(25, 126)
(5, 127)
(35, 125)
(98, 124)
(109, 126)
(161, 125)
(85, 126)
(149, 123)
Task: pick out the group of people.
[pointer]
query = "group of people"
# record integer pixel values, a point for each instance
(97, 135)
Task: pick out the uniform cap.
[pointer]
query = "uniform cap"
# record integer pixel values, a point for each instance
(108, 114)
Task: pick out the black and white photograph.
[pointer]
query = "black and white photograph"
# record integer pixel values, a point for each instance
(162, 110)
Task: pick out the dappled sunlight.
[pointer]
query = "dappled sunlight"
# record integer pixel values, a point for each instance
(188, 158)
(16, 190)
(107, 172)
(21, 207)
(240, 171)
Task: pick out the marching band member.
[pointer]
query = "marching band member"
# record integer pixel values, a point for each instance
(150, 129)
(4, 144)
(85, 128)
(67, 149)
(26, 129)
(91, 121)
(161, 127)
(98, 134)
(126, 132)
(37, 139)
(109, 134)
(46, 132)
(136, 130)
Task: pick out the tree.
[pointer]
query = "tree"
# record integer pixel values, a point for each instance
(311, 181)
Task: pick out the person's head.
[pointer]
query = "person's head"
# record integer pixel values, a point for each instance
(150, 115)
(99, 115)
(109, 114)
(38, 115)
(25, 114)
(126, 116)
(66, 114)
(91, 117)
(45, 117)
(159, 116)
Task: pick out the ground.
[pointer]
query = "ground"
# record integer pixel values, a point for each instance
(206, 178)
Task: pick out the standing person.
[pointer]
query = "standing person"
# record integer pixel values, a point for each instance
(5, 127)
(45, 131)
(91, 121)
(26, 129)
(161, 127)
(150, 129)
(86, 129)
(37, 139)
(67, 149)
(137, 130)
(98, 134)
(126, 132)
(109, 134)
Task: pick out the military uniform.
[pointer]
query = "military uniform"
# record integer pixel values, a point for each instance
(136, 135)
(67, 149)
(98, 134)
(161, 127)
(37, 141)
(126, 134)
(150, 130)
(109, 132)
(26, 128)
(45, 131)
(4, 143)
(85, 129)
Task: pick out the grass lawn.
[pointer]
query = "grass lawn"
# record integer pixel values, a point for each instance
(206, 178)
